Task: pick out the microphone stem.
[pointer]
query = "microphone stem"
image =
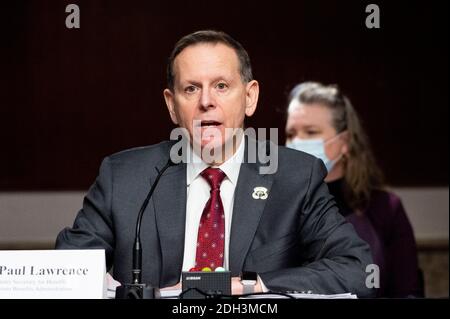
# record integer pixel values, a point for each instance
(137, 249)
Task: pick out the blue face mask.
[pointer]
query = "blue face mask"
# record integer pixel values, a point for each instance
(315, 147)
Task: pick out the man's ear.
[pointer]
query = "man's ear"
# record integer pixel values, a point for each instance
(170, 103)
(251, 98)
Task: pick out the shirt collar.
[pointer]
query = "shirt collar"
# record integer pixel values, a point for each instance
(231, 167)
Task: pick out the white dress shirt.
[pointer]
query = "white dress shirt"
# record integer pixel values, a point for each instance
(198, 193)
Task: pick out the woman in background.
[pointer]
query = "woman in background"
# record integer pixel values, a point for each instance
(321, 121)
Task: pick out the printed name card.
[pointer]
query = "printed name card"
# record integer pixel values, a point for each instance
(52, 274)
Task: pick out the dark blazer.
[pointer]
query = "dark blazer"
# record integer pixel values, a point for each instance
(384, 225)
(295, 239)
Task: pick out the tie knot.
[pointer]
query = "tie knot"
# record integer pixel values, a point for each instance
(214, 176)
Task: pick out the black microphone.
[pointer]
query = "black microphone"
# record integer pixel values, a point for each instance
(138, 290)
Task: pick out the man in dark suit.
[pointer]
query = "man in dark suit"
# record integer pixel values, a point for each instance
(219, 209)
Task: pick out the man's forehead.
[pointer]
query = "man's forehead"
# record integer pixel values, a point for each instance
(206, 59)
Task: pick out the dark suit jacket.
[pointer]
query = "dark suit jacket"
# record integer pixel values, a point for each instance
(295, 239)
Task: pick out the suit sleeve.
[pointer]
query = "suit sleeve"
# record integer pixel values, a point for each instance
(93, 226)
(336, 258)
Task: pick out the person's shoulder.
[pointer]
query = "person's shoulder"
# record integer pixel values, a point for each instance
(292, 161)
(389, 216)
(293, 164)
(386, 197)
(291, 157)
(150, 153)
(385, 202)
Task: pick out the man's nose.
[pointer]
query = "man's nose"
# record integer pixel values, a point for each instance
(206, 100)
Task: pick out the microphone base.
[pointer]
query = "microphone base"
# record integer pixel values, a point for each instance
(137, 291)
(214, 283)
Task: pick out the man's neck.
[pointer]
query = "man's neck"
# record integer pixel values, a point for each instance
(226, 152)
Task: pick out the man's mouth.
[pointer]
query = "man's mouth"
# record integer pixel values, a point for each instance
(210, 123)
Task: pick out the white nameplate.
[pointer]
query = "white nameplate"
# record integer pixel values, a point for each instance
(54, 274)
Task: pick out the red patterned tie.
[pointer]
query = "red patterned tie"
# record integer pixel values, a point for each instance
(211, 231)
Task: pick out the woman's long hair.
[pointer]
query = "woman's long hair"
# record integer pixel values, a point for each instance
(361, 173)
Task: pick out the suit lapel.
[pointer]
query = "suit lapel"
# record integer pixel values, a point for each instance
(169, 201)
(247, 212)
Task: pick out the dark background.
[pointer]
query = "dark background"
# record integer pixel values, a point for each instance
(69, 97)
